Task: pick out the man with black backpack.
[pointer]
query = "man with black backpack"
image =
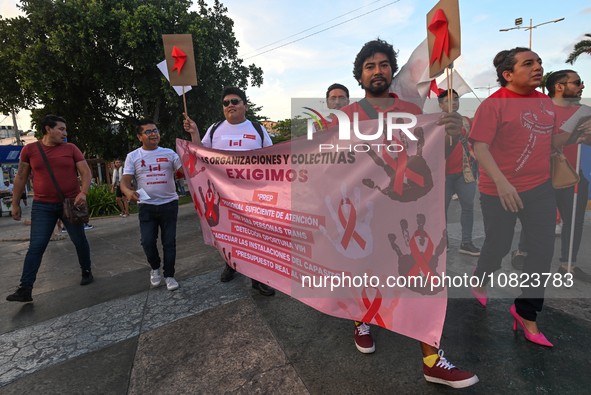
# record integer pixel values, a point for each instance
(235, 133)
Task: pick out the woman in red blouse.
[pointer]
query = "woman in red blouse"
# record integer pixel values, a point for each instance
(512, 137)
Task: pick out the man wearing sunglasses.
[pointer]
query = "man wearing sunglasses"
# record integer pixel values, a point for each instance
(154, 168)
(235, 133)
(565, 87)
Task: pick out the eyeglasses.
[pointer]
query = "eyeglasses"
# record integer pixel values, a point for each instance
(149, 132)
(334, 99)
(575, 83)
(234, 102)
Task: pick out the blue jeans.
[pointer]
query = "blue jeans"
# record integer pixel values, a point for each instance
(163, 216)
(43, 219)
(454, 183)
(564, 202)
(538, 218)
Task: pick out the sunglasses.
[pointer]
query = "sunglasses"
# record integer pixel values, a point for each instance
(149, 132)
(234, 102)
(575, 83)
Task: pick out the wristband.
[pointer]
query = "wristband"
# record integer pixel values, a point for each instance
(85, 194)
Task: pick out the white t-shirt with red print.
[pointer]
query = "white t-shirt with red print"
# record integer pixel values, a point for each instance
(239, 137)
(154, 171)
(518, 129)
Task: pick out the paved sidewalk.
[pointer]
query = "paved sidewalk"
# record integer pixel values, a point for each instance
(118, 335)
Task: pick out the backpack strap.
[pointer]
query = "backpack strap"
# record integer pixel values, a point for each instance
(259, 129)
(213, 128)
(368, 108)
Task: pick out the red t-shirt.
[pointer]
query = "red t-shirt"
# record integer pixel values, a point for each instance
(519, 132)
(398, 106)
(63, 159)
(562, 115)
(455, 162)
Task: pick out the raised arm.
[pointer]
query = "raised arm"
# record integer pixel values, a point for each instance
(191, 127)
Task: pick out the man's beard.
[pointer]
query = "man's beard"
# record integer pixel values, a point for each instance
(376, 90)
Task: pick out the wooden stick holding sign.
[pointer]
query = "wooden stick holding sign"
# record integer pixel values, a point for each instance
(444, 42)
(180, 61)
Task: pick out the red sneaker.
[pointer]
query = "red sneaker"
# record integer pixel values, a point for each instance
(363, 340)
(444, 372)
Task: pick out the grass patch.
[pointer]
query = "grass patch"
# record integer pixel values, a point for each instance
(134, 208)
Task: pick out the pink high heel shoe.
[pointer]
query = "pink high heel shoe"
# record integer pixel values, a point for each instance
(538, 339)
(479, 297)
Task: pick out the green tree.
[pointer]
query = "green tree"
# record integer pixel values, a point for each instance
(94, 62)
(290, 128)
(13, 97)
(583, 46)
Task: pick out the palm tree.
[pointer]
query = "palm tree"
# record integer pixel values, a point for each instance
(544, 79)
(584, 46)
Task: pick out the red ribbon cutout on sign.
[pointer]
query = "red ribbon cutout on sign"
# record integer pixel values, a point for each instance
(179, 59)
(438, 27)
(209, 203)
(422, 260)
(372, 308)
(349, 226)
(401, 169)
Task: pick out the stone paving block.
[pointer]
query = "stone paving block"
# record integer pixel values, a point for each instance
(477, 339)
(97, 373)
(228, 349)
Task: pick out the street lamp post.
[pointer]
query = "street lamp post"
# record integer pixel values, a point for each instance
(518, 22)
(486, 87)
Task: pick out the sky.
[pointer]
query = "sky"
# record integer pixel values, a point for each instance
(306, 68)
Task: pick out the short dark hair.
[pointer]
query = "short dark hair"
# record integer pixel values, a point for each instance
(50, 120)
(370, 49)
(554, 79)
(337, 86)
(443, 95)
(142, 122)
(233, 90)
(505, 61)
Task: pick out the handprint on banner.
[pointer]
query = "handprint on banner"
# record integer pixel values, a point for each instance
(421, 261)
(189, 160)
(228, 259)
(355, 239)
(212, 207)
(410, 177)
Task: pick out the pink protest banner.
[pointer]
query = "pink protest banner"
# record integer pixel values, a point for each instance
(343, 229)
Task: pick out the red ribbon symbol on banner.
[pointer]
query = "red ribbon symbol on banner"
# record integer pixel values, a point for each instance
(372, 308)
(179, 59)
(422, 260)
(209, 203)
(401, 169)
(349, 226)
(143, 163)
(438, 27)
